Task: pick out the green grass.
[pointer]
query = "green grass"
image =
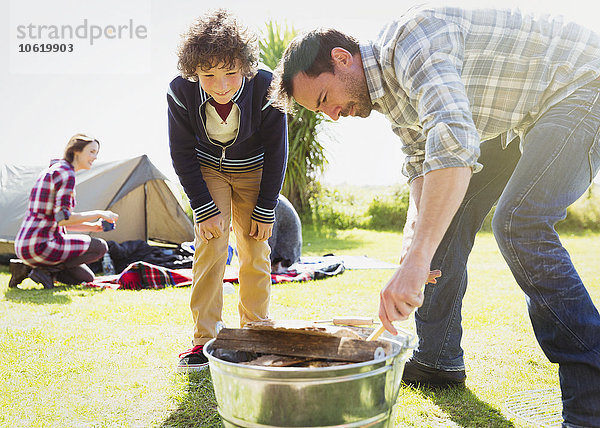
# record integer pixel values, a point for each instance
(82, 357)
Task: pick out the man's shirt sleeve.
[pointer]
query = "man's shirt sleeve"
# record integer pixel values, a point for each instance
(428, 64)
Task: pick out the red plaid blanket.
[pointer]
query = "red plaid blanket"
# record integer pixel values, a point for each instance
(143, 275)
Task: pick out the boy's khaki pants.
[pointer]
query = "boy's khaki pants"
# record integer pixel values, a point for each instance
(235, 195)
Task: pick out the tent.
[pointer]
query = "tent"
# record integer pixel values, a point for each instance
(133, 188)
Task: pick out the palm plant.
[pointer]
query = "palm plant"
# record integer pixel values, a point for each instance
(306, 158)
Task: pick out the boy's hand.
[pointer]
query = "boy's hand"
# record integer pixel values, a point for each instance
(261, 231)
(211, 228)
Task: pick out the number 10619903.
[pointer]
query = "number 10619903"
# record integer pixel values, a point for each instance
(45, 47)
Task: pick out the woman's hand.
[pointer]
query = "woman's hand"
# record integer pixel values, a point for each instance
(108, 216)
(95, 227)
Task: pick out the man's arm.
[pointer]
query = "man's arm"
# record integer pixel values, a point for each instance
(414, 197)
(429, 70)
(438, 195)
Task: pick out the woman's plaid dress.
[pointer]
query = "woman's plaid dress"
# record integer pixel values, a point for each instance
(41, 241)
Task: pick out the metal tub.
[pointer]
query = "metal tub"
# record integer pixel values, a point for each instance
(352, 395)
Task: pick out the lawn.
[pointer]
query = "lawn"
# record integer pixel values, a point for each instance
(77, 356)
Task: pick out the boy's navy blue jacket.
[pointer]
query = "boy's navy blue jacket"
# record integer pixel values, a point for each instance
(261, 142)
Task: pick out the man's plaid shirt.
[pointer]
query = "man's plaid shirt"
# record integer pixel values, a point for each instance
(448, 78)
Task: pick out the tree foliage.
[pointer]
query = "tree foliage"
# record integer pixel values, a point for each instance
(306, 156)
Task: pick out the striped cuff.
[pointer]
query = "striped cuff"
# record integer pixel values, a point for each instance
(263, 215)
(205, 212)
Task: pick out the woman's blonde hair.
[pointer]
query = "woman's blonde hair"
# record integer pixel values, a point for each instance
(76, 144)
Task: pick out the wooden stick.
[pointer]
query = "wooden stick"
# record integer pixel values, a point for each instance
(375, 335)
(349, 320)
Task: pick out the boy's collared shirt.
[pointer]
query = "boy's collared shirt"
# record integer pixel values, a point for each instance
(449, 78)
(219, 129)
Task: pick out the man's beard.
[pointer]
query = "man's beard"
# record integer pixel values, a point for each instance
(360, 109)
(358, 91)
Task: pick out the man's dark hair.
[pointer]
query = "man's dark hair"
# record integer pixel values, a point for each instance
(309, 53)
(217, 38)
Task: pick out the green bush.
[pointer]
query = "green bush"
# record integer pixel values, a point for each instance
(334, 209)
(385, 208)
(349, 207)
(584, 214)
(388, 212)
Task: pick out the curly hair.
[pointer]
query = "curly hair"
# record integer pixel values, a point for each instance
(308, 53)
(217, 38)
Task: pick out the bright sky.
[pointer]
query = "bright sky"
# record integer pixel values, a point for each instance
(119, 97)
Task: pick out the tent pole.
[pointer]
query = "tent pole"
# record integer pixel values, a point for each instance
(146, 211)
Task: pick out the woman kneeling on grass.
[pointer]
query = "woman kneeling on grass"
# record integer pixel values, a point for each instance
(42, 244)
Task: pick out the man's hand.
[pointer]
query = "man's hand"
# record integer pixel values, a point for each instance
(403, 293)
(211, 228)
(261, 231)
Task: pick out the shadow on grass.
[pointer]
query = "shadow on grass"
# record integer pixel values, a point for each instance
(38, 296)
(60, 294)
(465, 408)
(197, 405)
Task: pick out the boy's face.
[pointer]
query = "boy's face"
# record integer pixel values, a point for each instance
(220, 83)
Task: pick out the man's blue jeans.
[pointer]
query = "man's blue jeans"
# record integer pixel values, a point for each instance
(561, 156)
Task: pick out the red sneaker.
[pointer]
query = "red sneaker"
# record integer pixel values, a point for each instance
(192, 360)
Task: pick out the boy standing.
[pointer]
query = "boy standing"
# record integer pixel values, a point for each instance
(229, 149)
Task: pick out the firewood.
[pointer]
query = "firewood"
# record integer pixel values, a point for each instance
(299, 344)
(276, 361)
(306, 327)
